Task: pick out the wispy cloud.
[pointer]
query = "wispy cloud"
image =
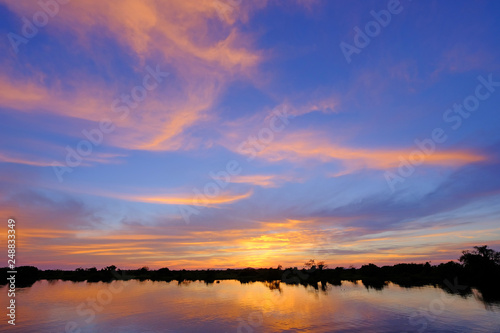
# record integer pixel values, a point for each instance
(301, 146)
(191, 199)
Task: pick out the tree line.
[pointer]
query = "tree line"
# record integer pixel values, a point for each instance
(478, 268)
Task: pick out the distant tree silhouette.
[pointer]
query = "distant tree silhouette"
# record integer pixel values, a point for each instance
(322, 265)
(370, 270)
(477, 268)
(164, 270)
(310, 264)
(480, 258)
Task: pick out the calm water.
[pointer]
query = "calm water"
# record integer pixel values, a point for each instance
(229, 306)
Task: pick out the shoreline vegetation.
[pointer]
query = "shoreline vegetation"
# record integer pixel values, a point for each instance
(478, 269)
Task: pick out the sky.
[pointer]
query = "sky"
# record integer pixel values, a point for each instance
(235, 133)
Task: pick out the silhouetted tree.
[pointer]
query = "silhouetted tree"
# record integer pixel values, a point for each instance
(310, 264)
(322, 265)
(480, 258)
(164, 270)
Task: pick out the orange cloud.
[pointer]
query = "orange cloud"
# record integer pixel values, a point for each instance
(223, 198)
(179, 34)
(303, 146)
(32, 95)
(193, 199)
(260, 180)
(289, 242)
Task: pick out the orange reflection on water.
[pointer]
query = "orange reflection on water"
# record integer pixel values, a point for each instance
(230, 306)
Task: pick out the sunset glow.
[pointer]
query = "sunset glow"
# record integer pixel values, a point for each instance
(231, 134)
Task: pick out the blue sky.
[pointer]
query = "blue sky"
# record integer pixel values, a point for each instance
(216, 134)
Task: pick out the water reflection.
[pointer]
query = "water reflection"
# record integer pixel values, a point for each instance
(234, 306)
